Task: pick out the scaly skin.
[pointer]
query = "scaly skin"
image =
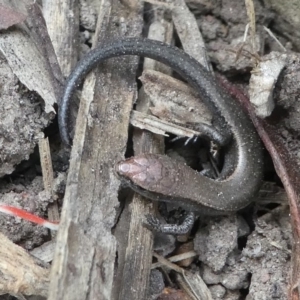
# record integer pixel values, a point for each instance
(242, 172)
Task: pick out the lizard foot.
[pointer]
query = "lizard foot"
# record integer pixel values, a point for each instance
(154, 224)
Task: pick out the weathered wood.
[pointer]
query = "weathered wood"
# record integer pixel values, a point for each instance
(20, 274)
(158, 126)
(39, 31)
(188, 32)
(83, 266)
(48, 178)
(138, 256)
(27, 59)
(174, 100)
(62, 18)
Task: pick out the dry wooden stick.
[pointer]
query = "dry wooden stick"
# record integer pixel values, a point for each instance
(20, 274)
(173, 100)
(157, 126)
(83, 266)
(47, 171)
(189, 34)
(138, 256)
(62, 18)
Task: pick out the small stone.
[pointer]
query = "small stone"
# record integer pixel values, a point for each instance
(217, 291)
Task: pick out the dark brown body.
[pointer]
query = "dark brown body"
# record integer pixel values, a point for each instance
(242, 172)
(161, 178)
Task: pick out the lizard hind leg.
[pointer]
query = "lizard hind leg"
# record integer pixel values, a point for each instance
(155, 224)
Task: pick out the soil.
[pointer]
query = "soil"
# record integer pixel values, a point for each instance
(239, 257)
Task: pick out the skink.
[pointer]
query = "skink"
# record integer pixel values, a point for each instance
(159, 177)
